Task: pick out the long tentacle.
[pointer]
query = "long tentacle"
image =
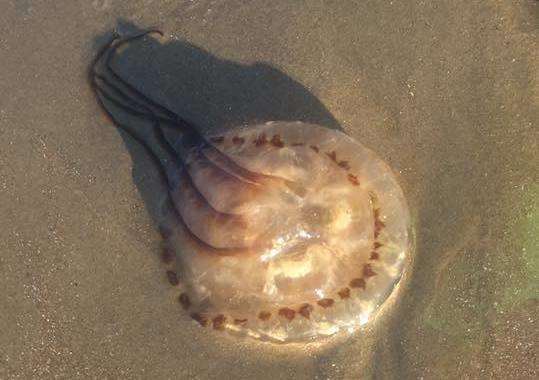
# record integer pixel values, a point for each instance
(127, 103)
(145, 98)
(124, 89)
(105, 89)
(136, 137)
(111, 89)
(105, 92)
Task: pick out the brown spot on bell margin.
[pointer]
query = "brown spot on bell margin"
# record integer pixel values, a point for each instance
(238, 140)
(217, 139)
(298, 144)
(378, 225)
(332, 155)
(344, 164)
(305, 310)
(315, 148)
(172, 278)
(344, 293)
(184, 301)
(375, 255)
(261, 140)
(240, 321)
(353, 179)
(276, 141)
(264, 315)
(357, 283)
(367, 271)
(200, 318)
(167, 255)
(287, 313)
(377, 245)
(326, 302)
(219, 322)
(376, 213)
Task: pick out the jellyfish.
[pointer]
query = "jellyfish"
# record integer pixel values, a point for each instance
(282, 231)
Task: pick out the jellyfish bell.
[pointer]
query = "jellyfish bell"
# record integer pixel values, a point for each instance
(320, 240)
(283, 231)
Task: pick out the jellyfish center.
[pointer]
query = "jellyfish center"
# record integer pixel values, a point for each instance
(302, 258)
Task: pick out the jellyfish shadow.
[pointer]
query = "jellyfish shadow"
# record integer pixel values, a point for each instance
(211, 92)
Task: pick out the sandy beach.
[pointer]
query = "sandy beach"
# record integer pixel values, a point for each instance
(445, 92)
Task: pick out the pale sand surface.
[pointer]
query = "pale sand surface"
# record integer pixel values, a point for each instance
(445, 91)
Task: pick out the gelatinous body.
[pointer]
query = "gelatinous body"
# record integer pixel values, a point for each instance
(283, 231)
(287, 241)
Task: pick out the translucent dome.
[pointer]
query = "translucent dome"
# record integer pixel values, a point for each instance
(286, 231)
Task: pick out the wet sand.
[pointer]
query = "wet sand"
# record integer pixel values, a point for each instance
(445, 92)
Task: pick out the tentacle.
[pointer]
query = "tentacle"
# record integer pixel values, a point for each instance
(134, 135)
(100, 93)
(129, 93)
(210, 220)
(166, 111)
(104, 88)
(127, 103)
(223, 190)
(217, 229)
(115, 91)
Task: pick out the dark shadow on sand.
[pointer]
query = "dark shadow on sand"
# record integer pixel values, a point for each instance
(210, 92)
